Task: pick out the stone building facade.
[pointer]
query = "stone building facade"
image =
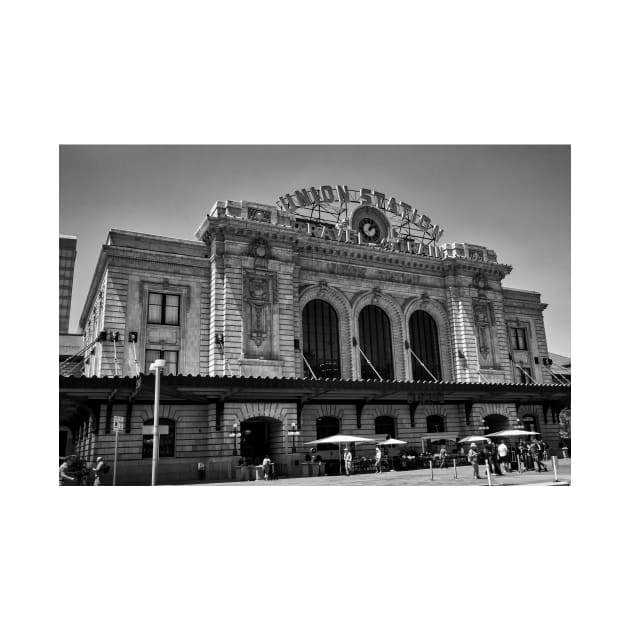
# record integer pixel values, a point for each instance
(271, 323)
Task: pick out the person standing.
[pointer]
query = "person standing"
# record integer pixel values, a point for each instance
(347, 458)
(377, 459)
(64, 477)
(473, 459)
(504, 459)
(266, 464)
(100, 470)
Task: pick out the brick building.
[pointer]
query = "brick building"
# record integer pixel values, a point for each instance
(286, 317)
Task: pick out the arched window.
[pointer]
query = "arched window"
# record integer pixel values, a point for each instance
(167, 438)
(375, 340)
(320, 338)
(325, 427)
(385, 425)
(435, 424)
(423, 338)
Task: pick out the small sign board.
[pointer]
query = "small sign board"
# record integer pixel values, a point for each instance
(119, 423)
(147, 429)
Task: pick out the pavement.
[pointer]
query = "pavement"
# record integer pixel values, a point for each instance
(441, 477)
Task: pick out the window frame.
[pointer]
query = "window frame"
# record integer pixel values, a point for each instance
(517, 341)
(327, 346)
(161, 352)
(163, 306)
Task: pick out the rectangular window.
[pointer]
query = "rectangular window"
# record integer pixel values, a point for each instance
(163, 309)
(170, 356)
(518, 338)
(524, 379)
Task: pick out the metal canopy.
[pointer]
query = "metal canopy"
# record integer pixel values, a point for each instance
(200, 389)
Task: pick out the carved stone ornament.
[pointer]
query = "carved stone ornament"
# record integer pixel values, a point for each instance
(482, 324)
(323, 287)
(376, 295)
(480, 281)
(259, 248)
(260, 293)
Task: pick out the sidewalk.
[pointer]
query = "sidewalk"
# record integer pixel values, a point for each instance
(443, 477)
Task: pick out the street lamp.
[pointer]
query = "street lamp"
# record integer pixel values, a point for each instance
(156, 366)
(293, 433)
(483, 427)
(235, 434)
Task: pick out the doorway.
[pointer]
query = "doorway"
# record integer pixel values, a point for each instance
(496, 422)
(255, 439)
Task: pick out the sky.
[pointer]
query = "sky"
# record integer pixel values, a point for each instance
(513, 199)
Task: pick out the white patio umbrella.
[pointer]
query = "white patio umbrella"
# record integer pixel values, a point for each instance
(512, 433)
(340, 438)
(475, 438)
(391, 442)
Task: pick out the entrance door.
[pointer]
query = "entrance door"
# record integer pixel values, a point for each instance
(255, 442)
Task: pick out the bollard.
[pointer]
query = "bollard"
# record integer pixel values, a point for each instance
(554, 461)
(431, 467)
(455, 467)
(488, 473)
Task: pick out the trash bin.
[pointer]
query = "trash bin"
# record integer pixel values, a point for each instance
(565, 452)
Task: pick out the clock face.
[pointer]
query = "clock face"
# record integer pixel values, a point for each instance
(261, 250)
(369, 229)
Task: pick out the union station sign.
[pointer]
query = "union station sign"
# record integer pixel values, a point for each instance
(362, 216)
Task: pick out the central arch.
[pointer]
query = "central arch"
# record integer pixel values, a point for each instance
(375, 337)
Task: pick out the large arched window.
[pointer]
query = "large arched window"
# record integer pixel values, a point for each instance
(320, 338)
(375, 340)
(423, 337)
(325, 427)
(167, 438)
(385, 425)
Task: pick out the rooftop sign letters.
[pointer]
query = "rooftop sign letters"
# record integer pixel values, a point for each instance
(362, 216)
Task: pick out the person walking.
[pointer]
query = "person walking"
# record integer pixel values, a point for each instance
(504, 458)
(545, 450)
(64, 477)
(100, 470)
(266, 464)
(347, 458)
(377, 459)
(443, 456)
(473, 459)
(536, 452)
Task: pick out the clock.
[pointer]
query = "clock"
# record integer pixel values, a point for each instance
(369, 230)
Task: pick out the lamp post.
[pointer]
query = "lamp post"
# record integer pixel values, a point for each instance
(235, 434)
(156, 366)
(293, 433)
